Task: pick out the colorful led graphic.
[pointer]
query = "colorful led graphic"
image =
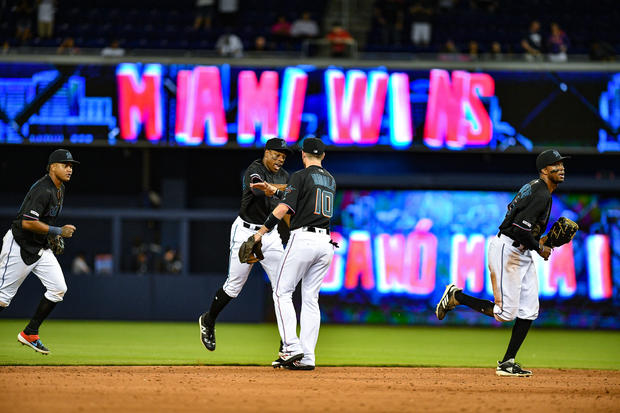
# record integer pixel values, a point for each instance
(355, 109)
(401, 125)
(456, 117)
(599, 267)
(140, 101)
(467, 261)
(258, 106)
(200, 107)
(413, 243)
(292, 103)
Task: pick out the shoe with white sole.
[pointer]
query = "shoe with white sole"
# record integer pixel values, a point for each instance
(447, 302)
(33, 342)
(511, 369)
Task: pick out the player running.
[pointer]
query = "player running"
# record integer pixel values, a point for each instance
(513, 273)
(256, 205)
(26, 246)
(309, 196)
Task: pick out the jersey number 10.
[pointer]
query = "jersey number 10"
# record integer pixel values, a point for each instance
(324, 203)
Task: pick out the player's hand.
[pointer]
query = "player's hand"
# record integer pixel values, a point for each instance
(544, 251)
(67, 231)
(257, 236)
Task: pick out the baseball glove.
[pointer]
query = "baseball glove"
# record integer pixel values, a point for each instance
(56, 244)
(251, 251)
(562, 232)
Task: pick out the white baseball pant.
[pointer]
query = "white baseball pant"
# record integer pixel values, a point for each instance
(13, 272)
(238, 272)
(307, 258)
(514, 280)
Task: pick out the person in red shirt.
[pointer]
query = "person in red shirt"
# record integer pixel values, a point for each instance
(339, 40)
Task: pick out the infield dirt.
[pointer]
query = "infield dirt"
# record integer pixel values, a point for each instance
(329, 389)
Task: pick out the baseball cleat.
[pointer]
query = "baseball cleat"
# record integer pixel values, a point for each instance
(511, 369)
(298, 365)
(447, 302)
(277, 363)
(207, 333)
(33, 342)
(289, 358)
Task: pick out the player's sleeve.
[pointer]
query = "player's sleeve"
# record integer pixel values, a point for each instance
(291, 193)
(525, 220)
(34, 206)
(253, 174)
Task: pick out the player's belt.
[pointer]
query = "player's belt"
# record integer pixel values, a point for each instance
(251, 226)
(515, 244)
(316, 230)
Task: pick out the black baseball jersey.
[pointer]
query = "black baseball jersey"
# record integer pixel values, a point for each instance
(255, 206)
(528, 214)
(310, 196)
(43, 203)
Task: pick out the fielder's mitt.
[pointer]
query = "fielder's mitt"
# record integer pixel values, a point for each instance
(56, 244)
(562, 232)
(251, 251)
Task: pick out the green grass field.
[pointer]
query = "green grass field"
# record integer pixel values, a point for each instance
(177, 343)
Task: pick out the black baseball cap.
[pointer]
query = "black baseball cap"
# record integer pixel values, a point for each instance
(314, 146)
(61, 156)
(548, 157)
(277, 144)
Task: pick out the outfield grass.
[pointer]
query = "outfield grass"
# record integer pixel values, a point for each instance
(176, 343)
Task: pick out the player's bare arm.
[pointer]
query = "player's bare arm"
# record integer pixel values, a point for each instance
(38, 227)
(268, 188)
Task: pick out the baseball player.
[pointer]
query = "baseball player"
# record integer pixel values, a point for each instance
(309, 197)
(26, 245)
(256, 204)
(513, 273)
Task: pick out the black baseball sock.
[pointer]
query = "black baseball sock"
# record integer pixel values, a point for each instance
(2, 308)
(519, 331)
(43, 310)
(217, 305)
(482, 306)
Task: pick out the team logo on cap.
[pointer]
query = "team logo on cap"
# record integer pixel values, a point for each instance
(556, 153)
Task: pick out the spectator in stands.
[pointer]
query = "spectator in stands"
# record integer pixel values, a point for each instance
(532, 43)
(260, 44)
(23, 14)
(557, 44)
(474, 50)
(67, 47)
(45, 18)
(496, 51)
(228, 11)
(421, 16)
(204, 14)
(602, 52)
(113, 50)
(449, 51)
(172, 262)
(340, 41)
(6, 47)
(79, 265)
(281, 32)
(305, 27)
(229, 45)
